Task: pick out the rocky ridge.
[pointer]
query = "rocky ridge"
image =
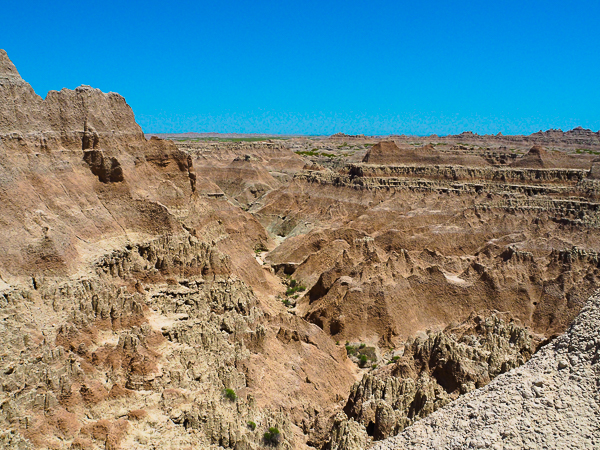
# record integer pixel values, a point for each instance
(554, 137)
(431, 372)
(550, 402)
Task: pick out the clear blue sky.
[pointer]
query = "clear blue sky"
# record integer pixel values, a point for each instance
(320, 67)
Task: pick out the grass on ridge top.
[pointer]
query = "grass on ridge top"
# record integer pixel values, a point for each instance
(242, 139)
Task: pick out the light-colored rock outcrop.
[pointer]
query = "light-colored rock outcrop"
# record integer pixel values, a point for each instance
(550, 402)
(432, 372)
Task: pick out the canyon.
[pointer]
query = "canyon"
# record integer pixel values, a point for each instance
(329, 292)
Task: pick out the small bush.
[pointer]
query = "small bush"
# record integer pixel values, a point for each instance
(365, 355)
(294, 287)
(252, 425)
(374, 366)
(273, 436)
(230, 394)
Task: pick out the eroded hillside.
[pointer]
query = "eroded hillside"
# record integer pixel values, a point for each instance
(135, 313)
(298, 293)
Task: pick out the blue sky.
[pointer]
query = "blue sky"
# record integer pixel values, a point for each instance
(321, 67)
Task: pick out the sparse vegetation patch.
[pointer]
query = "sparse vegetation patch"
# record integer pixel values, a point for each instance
(272, 437)
(361, 354)
(231, 395)
(294, 287)
(314, 152)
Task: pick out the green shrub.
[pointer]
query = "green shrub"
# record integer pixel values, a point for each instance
(308, 153)
(363, 360)
(363, 345)
(294, 287)
(273, 436)
(350, 350)
(230, 394)
(252, 425)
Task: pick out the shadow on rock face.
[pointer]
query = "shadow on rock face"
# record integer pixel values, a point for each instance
(107, 169)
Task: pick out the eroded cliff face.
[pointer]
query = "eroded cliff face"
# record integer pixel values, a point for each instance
(429, 373)
(79, 179)
(76, 170)
(550, 402)
(142, 355)
(135, 313)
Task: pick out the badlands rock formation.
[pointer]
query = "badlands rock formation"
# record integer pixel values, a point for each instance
(550, 402)
(435, 370)
(303, 293)
(131, 299)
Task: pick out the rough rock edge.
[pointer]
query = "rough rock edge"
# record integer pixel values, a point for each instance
(550, 402)
(7, 68)
(435, 371)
